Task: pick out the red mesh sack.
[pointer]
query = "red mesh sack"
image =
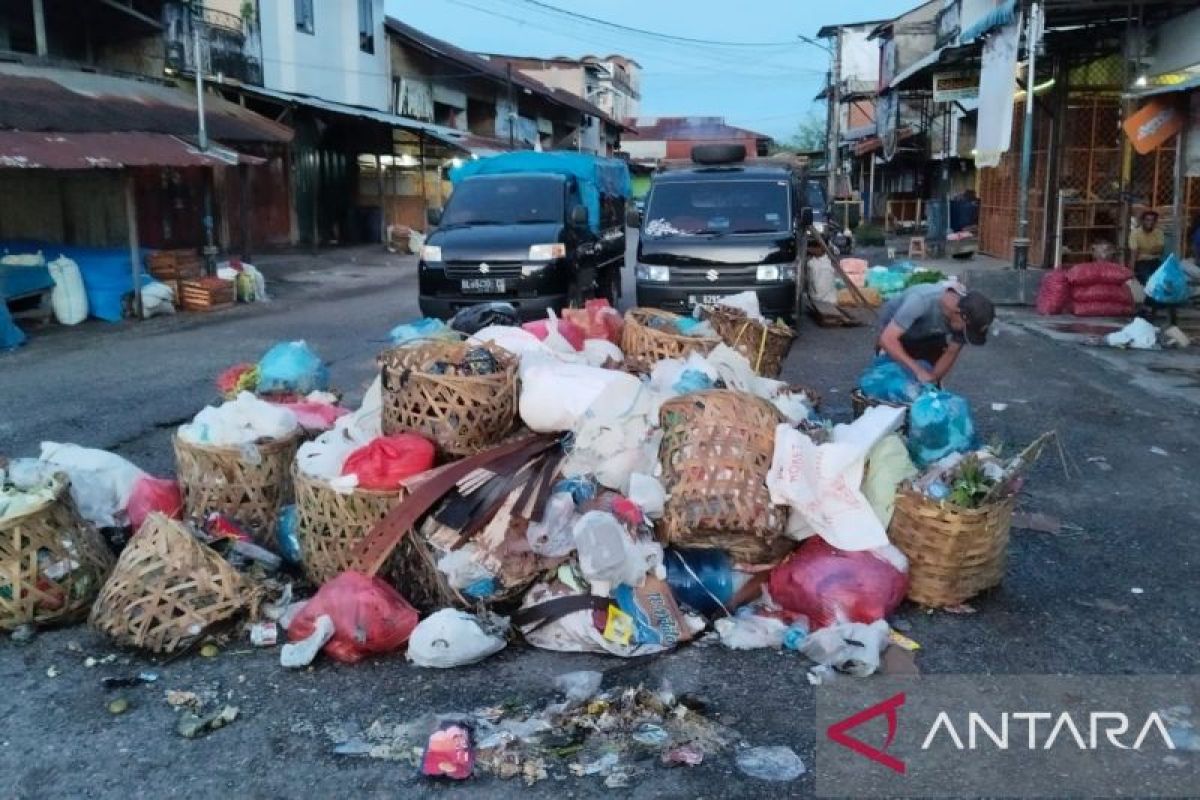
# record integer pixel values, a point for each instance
(829, 585)
(1095, 272)
(597, 319)
(567, 329)
(1102, 293)
(369, 617)
(1054, 293)
(1105, 309)
(154, 494)
(384, 462)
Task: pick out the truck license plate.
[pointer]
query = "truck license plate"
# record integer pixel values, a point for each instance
(704, 299)
(483, 286)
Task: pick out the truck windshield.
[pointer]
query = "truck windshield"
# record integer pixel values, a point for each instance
(504, 201)
(718, 207)
(814, 194)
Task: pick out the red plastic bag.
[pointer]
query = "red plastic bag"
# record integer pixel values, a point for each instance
(597, 319)
(1095, 272)
(384, 462)
(829, 585)
(1054, 293)
(314, 416)
(369, 616)
(1106, 309)
(1102, 293)
(154, 494)
(567, 329)
(227, 381)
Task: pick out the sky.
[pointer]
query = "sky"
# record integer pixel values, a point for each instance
(767, 85)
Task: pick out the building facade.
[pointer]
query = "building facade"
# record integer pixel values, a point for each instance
(658, 139)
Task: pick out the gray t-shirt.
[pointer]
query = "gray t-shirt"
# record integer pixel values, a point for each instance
(919, 312)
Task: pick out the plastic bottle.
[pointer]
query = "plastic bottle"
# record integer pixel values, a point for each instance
(702, 579)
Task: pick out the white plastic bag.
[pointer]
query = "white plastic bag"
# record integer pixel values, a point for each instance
(822, 279)
(517, 341)
(648, 493)
(751, 632)
(1139, 334)
(822, 483)
(555, 395)
(608, 554)
(452, 638)
(849, 647)
(743, 301)
(101, 482)
(68, 298)
(598, 352)
(157, 298)
(243, 420)
(619, 435)
(551, 536)
(462, 567)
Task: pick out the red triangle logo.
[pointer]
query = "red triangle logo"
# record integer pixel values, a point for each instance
(889, 707)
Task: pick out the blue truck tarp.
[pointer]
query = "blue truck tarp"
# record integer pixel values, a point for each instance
(106, 272)
(595, 175)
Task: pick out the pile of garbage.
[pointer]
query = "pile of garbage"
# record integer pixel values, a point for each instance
(874, 283)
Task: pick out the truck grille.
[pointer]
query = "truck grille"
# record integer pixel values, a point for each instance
(495, 269)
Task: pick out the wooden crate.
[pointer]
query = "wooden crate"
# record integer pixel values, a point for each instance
(172, 265)
(205, 294)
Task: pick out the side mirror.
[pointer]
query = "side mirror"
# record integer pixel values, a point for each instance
(434, 216)
(806, 217)
(579, 216)
(632, 218)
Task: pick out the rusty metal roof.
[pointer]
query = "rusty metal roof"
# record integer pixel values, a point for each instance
(46, 150)
(70, 101)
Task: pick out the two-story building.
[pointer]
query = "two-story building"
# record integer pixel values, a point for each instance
(612, 82)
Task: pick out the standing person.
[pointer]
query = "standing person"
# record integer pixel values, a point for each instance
(931, 322)
(1147, 246)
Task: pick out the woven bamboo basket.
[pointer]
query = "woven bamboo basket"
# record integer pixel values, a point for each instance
(765, 345)
(52, 563)
(167, 589)
(461, 414)
(716, 451)
(221, 479)
(331, 523)
(645, 345)
(953, 553)
(859, 403)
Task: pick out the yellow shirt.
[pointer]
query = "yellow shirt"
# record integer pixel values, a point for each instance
(1149, 245)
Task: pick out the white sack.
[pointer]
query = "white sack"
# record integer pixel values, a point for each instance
(68, 298)
(452, 638)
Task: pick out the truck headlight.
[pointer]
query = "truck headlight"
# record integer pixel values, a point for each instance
(431, 252)
(767, 272)
(547, 252)
(650, 272)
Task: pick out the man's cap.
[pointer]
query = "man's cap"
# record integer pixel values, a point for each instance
(978, 313)
(1149, 212)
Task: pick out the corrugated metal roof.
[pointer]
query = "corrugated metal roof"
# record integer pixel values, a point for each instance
(45, 150)
(70, 101)
(689, 129)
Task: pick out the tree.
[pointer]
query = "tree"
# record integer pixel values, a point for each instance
(810, 134)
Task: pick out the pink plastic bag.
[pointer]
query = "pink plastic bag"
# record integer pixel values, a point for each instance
(1054, 293)
(383, 463)
(369, 617)
(597, 319)
(315, 416)
(828, 585)
(566, 329)
(154, 494)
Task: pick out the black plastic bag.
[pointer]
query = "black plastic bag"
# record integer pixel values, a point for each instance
(473, 319)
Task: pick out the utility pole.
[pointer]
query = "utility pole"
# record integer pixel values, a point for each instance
(210, 249)
(512, 107)
(1033, 33)
(835, 100)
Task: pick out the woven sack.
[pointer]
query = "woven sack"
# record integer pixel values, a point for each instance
(764, 345)
(953, 553)
(167, 589)
(649, 337)
(716, 451)
(52, 563)
(461, 414)
(247, 489)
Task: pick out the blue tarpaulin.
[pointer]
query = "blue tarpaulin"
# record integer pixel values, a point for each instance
(106, 272)
(596, 176)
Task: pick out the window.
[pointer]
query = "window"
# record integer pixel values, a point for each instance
(366, 26)
(304, 16)
(504, 201)
(719, 207)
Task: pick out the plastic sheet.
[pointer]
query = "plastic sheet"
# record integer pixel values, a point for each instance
(385, 462)
(940, 423)
(369, 617)
(546, 407)
(293, 368)
(829, 585)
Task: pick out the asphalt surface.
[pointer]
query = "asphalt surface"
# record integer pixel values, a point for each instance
(1114, 593)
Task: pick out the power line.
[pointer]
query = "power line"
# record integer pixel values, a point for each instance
(655, 34)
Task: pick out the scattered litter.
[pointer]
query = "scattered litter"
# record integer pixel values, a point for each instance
(999, 406)
(264, 634)
(579, 686)
(1139, 335)
(1137, 590)
(959, 608)
(118, 706)
(449, 753)
(191, 726)
(210, 650)
(1158, 451)
(1033, 521)
(181, 699)
(776, 763)
(126, 681)
(686, 755)
(52, 672)
(300, 654)
(23, 634)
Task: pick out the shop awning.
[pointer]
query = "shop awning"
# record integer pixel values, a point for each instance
(1004, 14)
(873, 143)
(49, 150)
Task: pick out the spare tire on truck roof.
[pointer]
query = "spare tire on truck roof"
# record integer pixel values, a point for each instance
(718, 153)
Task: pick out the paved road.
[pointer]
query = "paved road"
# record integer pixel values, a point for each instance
(1068, 603)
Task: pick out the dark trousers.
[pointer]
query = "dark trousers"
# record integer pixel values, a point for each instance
(928, 348)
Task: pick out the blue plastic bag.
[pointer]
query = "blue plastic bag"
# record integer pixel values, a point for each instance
(890, 381)
(692, 380)
(1169, 284)
(285, 534)
(11, 337)
(940, 423)
(886, 281)
(292, 367)
(423, 329)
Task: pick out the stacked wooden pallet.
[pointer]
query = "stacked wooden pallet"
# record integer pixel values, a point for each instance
(205, 294)
(172, 267)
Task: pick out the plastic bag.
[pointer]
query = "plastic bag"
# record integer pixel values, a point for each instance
(751, 632)
(237, 379)
(1094, 272)
(68, 298)
(939, 423)
(602, 353)
(886, 281)
(292, 367)
(545, 404)
(152, 494)
(823, 280)
(157, 298)
(648, 493)
(388, 460)
(552, 535)
(369, 616)
(475, 318)
(101, 482)
(426, 329)
(285, 534)
(557, 334)
(1139, 334)
(889, 381)
(618, 435)
(746, 302)
(828, 585)
(849, 647)
(1054, 293)
(452, 638)
(243, 420)
(1169, 284)
(608, 554)
(315, 416)
(597, 319)
(11, 337)
(517, 341)
(702, 579)
(888, 465)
